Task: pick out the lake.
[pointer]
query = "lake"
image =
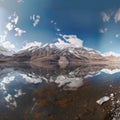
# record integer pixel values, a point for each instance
(87, 92)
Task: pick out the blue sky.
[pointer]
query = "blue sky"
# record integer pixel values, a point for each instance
(96, 22)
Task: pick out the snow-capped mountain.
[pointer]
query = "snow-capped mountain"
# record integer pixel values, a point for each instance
(69, 46)
(68, 50)
(53, 53)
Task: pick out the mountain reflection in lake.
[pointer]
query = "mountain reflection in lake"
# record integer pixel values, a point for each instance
(82, 93)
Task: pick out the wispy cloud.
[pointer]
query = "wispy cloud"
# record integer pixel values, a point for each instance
(53, 22)
(58, 30)
(31, 44)
(103, 30)
(35, 19)
(13, 20)
(19, 32)
(105, 17)
(69, 41)
(117, 16)
(114, 14)
(12, 25)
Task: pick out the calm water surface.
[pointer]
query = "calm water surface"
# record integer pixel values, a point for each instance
(75, 93)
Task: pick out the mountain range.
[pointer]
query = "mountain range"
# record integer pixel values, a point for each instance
(50, 53)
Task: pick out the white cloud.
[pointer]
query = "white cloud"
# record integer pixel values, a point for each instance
(69, 41)
(36, 22)
(61, 44)
(105, 17)
(35, 19)
(10, 26)
(19, 31)
(6, 43)
(58, 30)
(103, 30)
(117, 16)
(73, 40)
(32, 44)
(13, 20)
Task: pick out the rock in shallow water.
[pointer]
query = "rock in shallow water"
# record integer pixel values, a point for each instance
(103, 100)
